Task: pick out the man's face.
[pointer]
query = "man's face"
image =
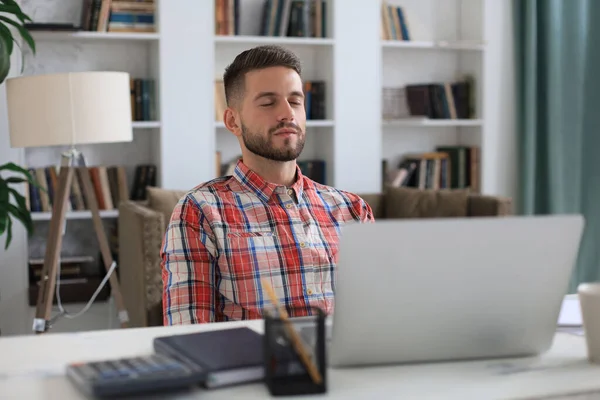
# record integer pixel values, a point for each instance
(273, 118)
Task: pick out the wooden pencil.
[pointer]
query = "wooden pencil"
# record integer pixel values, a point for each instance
(294, 337)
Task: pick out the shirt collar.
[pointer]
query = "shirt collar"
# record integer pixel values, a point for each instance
(263, 189)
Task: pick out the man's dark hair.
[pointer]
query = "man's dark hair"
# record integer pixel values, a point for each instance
(256, 58)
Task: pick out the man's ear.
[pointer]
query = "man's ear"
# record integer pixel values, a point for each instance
(231, 120)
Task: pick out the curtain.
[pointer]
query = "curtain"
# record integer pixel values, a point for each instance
(557, 46)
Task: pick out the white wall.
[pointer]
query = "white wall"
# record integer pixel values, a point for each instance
(187, 141)
(499, 103)
(357, 107)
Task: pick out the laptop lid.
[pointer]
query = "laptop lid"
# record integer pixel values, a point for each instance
(448, 289)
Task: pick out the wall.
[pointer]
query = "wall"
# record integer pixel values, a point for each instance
(501, 175)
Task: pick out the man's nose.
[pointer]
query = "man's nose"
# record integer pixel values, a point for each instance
(285, 112)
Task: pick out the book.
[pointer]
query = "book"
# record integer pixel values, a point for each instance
(230, 356)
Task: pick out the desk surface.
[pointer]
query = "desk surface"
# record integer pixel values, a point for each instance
(32, 367)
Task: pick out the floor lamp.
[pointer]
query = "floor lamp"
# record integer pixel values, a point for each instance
(70, 109)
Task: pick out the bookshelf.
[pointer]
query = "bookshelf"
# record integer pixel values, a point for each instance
(430, 123)
(433, 45)
(315, 49)
(432, 72)
(185, 56)
(45, 216)
(94, 36)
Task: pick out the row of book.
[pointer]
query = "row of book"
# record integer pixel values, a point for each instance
(143, 99)
(118, 15)
(109, 184)
(394, 24)
(294, 18)
(435, 100)
(314, 100)
(448, 167)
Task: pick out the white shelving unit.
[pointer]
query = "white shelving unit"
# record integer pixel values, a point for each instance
(428, 123)
(93, 36)
(316, 55)
(450, 37)
(45, 216)
(431, 45)
(286, 41)
(447, 43)
(325, 123)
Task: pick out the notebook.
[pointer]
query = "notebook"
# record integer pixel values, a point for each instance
(230, 356)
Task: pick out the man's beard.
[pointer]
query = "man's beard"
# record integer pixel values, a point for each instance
(263, 146)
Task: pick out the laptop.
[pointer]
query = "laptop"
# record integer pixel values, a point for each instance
(450, 289)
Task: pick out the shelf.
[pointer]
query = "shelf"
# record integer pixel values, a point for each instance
(424, 122)
(316, 123)
(85, 35)
(45, 216)
(145, 124)
(442, 45)
(309, 123)
(284, 40)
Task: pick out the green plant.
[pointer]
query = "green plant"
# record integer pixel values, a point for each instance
(11, 15)
(19, 210)
(9, 10)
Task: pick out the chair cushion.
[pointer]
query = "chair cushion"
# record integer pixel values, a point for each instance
(164, 201)
(406, 202)
(375, 201)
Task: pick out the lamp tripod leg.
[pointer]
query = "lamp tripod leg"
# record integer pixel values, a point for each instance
(89, 194)
(53, 245)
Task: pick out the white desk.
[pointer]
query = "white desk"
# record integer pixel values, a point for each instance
(32, 367)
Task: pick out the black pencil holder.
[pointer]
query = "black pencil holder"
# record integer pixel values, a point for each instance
(285, 373)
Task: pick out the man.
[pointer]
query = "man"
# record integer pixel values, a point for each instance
(267, 220)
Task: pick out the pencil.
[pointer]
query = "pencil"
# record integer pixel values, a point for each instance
(296, 342)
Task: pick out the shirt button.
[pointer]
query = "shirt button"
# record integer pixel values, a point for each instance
(288, 205)
(302, 244)
(290, 192)
(309, 291)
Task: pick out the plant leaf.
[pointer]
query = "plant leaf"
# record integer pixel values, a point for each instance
(7, 38)
(12, 7)
(8, 233)
(3, 206)
(4, 60)
(15, 168)
(11, 166)
(23, 216)
(24, 33)
(23, 210)
(14, 179)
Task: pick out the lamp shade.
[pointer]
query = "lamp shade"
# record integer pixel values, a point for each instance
(69, 109)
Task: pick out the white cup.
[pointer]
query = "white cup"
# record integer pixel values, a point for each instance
(589, 299)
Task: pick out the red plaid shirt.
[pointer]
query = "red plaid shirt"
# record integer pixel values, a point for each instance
(226, 235)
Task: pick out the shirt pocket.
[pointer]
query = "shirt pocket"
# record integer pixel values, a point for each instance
(325, 242)
(248, 252)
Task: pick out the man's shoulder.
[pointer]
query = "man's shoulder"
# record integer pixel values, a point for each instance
(210, 192)
(334, 196)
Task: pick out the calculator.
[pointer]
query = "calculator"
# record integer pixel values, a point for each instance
(133, 375)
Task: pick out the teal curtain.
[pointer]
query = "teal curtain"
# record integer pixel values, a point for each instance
(558, 116)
